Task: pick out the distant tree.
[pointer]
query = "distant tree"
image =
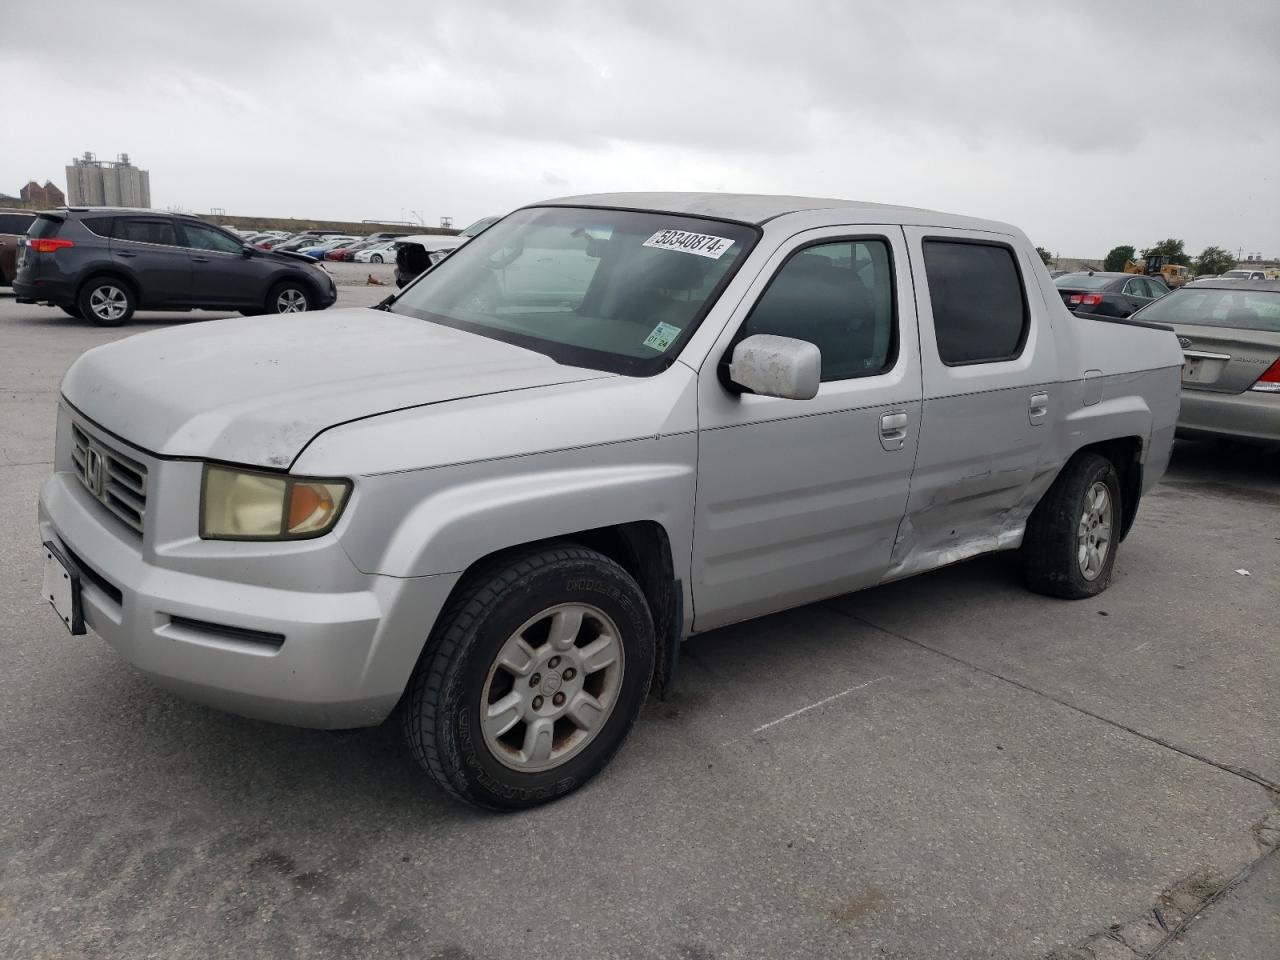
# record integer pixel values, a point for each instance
(1116, 258)
(1045, 255)
(1171, 250)
(1213, 261)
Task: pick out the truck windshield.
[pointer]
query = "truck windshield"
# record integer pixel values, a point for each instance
(608, 289)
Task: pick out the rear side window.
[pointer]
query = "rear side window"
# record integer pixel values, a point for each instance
(142, 230)
(838, 296)
(100, 225)
(979, 309)
(15, 223)
(44, 227)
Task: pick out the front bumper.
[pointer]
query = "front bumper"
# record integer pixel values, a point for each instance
(349, 647)
(1252, 415)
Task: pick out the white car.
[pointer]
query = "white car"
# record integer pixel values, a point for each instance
(382, 253)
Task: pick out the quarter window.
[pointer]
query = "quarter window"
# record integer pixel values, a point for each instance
(838, 296)
(979, 310)
(145, 231)
(203, 238)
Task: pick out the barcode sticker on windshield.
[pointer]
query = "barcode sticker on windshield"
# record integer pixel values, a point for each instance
(697, 243)
(663, 335)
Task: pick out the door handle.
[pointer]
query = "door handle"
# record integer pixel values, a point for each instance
(199, 259)
(125, 253)
(1038, 408)
(893, 430)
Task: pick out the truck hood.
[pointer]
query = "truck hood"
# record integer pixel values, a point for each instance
(256, 390)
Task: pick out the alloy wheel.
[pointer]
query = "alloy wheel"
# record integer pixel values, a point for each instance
(291, 300)
(552, 687)
(1093, 537)
(108, 302)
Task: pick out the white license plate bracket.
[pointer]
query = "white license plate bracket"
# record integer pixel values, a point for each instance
(61, 588)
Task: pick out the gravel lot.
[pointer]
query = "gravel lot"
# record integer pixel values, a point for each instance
(945, 767)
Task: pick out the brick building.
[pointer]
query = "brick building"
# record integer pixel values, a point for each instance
(34, 195)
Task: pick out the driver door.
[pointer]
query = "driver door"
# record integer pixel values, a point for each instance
(799, 500)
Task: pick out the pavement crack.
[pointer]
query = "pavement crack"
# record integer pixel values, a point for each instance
(1179, 929)
(1151, 738)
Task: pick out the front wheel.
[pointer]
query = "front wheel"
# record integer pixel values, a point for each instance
(106, 301)
(533, 677)
(1069, 548)
(288, 297)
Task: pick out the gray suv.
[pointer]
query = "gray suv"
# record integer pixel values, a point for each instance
(102, 264)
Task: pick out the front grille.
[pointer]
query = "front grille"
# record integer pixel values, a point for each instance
(118, 482)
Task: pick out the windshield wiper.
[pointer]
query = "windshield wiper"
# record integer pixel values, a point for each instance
(385, 303)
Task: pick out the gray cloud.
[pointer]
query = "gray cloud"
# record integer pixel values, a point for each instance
(1088, 124)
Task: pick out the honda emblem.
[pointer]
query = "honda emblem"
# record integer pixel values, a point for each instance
(93, 472)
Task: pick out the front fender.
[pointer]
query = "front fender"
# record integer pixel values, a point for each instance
(439, 521)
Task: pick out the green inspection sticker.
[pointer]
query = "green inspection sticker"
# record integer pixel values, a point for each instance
(663, 335)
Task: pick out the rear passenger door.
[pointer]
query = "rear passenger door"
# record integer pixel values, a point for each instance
(990, 397)
(146, 248)
(801, 499)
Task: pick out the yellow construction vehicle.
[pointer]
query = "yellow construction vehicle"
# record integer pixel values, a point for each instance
(1172, 274)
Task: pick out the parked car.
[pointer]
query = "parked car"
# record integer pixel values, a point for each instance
(13, 226)
(381, 253)
(505, 516)
(345, 251)
(415, 254)
(1108, 294)
(102, 264)
(318, 250)
(1229, 331)
(1249, 274)
(294, 243)
(386, 235)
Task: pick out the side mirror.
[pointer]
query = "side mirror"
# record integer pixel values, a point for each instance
(247, 251)
(777, 367)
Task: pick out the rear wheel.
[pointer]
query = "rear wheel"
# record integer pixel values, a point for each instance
(533, 676)
(106, 301)
(288, 297)
(376, 258)
(1069, 548)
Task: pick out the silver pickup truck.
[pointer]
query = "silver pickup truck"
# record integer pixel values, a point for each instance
(501, 500)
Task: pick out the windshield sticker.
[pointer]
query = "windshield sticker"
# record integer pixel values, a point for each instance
(697, 243)
(663, 335)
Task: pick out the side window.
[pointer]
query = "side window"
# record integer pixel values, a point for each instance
(203, 238)
(838, 296)
(1156, 287)
(145, 230)
(16, 223)
(979, 310)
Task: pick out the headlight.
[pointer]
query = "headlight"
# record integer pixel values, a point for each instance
(249, 505)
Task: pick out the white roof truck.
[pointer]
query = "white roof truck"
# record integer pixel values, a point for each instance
(505, 497)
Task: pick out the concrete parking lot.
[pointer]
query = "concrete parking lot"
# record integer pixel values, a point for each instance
(945, 767)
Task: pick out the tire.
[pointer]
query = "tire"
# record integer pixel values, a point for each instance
(106, 301)
(1069, 549)
(71, 311)
(289, 296)
(534, 750)
(376, 258)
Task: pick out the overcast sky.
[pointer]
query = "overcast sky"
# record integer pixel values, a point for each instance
(1086, 124)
